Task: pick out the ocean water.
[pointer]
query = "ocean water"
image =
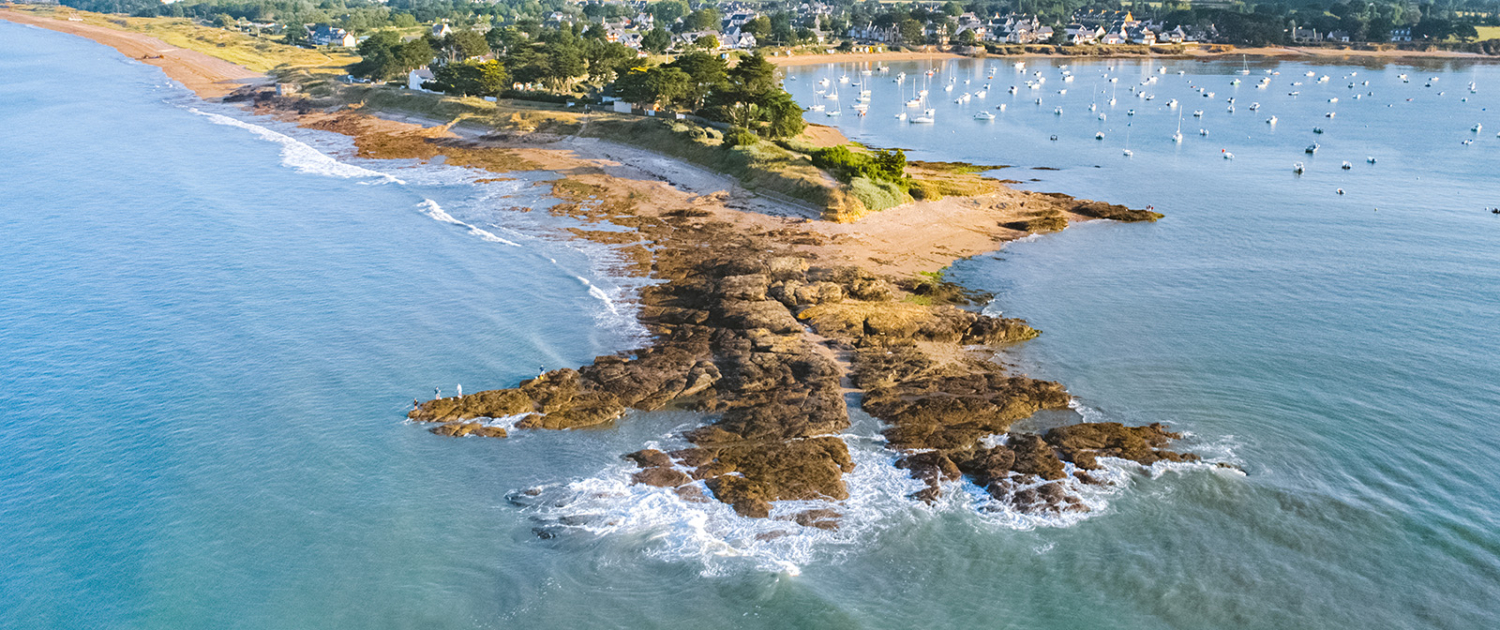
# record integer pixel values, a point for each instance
(211, 325)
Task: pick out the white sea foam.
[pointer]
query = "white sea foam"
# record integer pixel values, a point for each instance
(599, 294)
(711, 534)
(1089, 414)
(432, 209)
(297, 154)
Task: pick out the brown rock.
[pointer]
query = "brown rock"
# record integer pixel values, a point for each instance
(751, 288)
(1034, 456)
(692, 494)
(490, 404)
(649, 458)
(461, 429)
(661, 477)
(819, 518)
(771, 316)
(1081, 443)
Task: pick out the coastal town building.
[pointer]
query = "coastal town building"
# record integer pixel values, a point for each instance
(329, 35)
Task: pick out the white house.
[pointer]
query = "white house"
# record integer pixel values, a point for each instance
(441, 30)
(416, 78)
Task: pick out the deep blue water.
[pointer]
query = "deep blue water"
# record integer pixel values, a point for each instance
(211, 325)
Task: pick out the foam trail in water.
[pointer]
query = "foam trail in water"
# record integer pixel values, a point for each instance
(432, 209)
(297, 154)
(599, 294)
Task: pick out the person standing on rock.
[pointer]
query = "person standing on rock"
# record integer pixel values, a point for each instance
(460, 390)
(437, 393)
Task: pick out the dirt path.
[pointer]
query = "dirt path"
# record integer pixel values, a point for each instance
(206, 76)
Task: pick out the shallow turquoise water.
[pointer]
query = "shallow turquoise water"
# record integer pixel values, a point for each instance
(210, 328)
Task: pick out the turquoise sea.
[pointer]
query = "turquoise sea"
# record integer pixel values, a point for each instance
(212, 323)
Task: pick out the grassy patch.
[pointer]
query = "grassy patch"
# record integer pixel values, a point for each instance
(762, 166)
(261, 54)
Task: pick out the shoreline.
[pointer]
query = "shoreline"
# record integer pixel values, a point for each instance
(207, 76)
(1276, 52)
(771, 322)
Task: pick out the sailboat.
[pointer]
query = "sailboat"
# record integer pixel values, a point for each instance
(1127, 141)
(1177, 137)
(1245, 69)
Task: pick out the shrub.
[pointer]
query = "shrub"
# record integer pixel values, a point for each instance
(886, 166)
(877, 195)
(737, 137)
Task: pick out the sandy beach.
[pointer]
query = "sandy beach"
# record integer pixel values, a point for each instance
(207, 76)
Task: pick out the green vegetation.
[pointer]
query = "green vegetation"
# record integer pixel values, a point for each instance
(888, 166)
(759, 166)
(470, 78)
(384, 56)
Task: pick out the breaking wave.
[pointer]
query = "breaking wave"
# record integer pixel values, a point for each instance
(432, 209)
(297, 154)
(599, 294)
(671, 528)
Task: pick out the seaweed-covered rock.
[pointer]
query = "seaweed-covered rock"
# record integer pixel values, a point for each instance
(490, 404)
(1081, 443)
(461, 429)
(661, 477)
(649, 458)
(1114, 212)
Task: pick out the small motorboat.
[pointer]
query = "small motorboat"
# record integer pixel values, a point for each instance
(1370, 159)
(922, 120)
(1317, 130)
(1298, 168)
(1346, 165)
(1099, 135)
(1271, 120)
(1312, 148)
(1227, 155)
(983, 115)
